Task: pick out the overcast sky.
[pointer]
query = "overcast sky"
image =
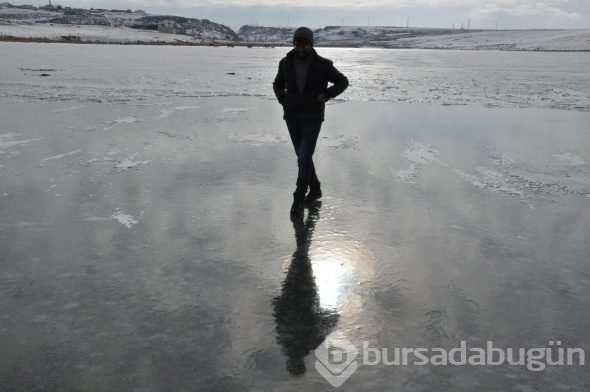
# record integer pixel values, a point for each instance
(508, 14)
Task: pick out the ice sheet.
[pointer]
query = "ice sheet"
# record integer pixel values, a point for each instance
(536, 80)
(160, 254)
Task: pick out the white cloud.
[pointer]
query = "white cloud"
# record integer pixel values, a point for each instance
(548, 10)
(349, 4)
(355, 4)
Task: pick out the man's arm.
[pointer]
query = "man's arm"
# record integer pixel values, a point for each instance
(279, 84)
(340, 82)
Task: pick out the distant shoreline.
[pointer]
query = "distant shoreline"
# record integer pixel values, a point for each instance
(561, 41)
(8, 38)
(70, 40)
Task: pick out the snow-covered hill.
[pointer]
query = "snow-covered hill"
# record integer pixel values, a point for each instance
(529, 40)
(93, 34)
(429, 38)
(202, 29)
(268, 35)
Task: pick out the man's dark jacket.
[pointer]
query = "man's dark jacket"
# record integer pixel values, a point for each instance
(303, 106)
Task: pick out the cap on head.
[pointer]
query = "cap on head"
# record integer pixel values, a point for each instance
(303, 33)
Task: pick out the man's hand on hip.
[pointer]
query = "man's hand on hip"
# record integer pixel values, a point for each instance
(321, 98)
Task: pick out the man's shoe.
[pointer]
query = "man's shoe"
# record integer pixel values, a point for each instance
(313, 195)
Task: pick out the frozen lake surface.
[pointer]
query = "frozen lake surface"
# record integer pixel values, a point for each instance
(147, 245)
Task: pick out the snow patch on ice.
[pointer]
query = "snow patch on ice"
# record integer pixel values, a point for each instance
(121, 121)
(237, 110)
(66, 109)
(9, 153)
(60, 155)
(422, 154)
(125, 219)
(9, 135)
(12, 143)
(172, 135)
(500, 159)
(167, 112)
(570, 159)
(95, 219)
(153, 103)
(129, 163)
(492, 180)
(419, 155)
(406, 175)
(256, 139)
(549, 181)
(340, 142)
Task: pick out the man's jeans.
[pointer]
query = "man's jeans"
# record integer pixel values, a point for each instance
(304, 135)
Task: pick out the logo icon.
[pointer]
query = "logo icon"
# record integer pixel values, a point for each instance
(336, 359)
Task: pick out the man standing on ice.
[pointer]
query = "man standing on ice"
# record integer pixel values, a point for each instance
(301, 86)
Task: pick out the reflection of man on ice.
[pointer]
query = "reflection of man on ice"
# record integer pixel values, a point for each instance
(301, 86)
(301, 323)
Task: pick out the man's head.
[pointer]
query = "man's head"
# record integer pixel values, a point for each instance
(303, 42)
